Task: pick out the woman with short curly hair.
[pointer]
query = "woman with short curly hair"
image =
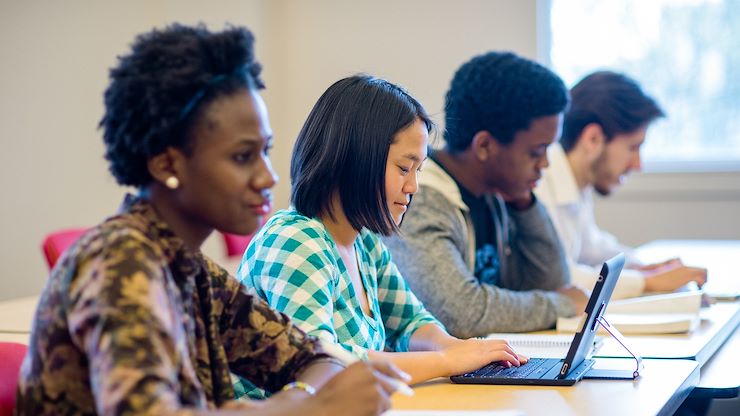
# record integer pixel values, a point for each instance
(134, 318)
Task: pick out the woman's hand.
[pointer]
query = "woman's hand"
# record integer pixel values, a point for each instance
(364, 388)
(474, 353)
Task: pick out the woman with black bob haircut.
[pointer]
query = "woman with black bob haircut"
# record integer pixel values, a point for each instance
(354, 171)
(337, 150)
(134, 318)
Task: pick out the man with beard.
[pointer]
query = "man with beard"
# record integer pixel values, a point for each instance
(600, 145)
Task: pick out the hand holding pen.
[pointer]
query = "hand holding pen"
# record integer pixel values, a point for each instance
(364, 387)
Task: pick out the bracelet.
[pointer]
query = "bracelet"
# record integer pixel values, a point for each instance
(301, 386)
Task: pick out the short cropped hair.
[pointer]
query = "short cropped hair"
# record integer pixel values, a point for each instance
(613, 101)
(343, 148)
(158, 91)
(501, 93)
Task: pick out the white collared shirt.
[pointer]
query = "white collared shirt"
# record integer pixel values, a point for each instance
(586, 245)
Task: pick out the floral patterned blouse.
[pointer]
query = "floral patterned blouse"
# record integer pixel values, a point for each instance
(133, 322)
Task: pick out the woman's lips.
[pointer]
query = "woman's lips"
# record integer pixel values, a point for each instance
(261, 209)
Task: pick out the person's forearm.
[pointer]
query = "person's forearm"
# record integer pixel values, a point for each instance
(431, 337)
(233, 408)
(433, 257)
(452, 293)
(282, 403)
(420, 365)
(279, 404)
(319, 372)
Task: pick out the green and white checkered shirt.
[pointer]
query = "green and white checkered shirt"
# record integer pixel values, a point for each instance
(294, 265)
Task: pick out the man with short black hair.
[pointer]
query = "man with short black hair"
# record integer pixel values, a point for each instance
(476, 247)
(603, 132)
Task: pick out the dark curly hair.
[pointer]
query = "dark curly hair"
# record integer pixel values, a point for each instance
(159, 90)
(501, 93)
(343, 149)
(613, 101)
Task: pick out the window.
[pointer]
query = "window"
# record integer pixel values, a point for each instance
(685, 53)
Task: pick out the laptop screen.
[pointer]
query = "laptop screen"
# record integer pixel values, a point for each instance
(584, 338)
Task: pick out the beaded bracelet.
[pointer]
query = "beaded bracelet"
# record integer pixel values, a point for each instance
(301, 386)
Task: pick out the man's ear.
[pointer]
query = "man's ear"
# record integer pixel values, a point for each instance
(592, 140)
(166, 165)
(484, 145)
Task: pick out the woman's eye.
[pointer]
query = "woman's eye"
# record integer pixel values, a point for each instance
(404, 170)
(537, 155)
(242, 157)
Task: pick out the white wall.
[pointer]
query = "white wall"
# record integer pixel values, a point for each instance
(55, 57)
(416, 43)
(656, 205)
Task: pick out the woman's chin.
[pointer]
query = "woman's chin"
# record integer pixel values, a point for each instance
(245, 227)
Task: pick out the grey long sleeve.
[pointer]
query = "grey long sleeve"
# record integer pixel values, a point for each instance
(431, 253)
(537, 259)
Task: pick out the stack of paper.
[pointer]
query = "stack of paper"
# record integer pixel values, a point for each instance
(671, 313)
(679, 302)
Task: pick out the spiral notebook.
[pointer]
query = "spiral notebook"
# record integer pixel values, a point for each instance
(542, 345)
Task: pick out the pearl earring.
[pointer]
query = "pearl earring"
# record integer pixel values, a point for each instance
(172, 182)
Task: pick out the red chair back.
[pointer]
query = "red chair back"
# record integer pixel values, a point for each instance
(235, 244)
(57, 242)
(11, 357)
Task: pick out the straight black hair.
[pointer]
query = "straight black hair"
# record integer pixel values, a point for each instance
(613, 101)
(343, 147)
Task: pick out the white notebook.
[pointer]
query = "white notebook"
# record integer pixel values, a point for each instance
(677, 302)
(650, 323)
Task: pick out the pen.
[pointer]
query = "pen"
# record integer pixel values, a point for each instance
(401, 387)
(348, 358)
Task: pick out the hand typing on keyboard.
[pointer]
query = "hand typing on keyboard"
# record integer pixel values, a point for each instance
(472, 354)
(535, 368)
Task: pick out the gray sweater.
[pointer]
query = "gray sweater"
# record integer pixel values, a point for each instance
(435, 252)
